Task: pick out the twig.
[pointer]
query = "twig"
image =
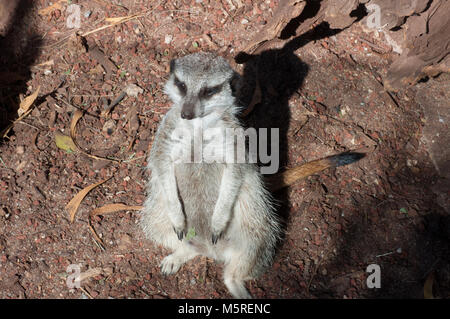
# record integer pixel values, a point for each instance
(86, 293)
(380, 49)
(30, 125)
(79, 108)
(114, 103)
(98, 241)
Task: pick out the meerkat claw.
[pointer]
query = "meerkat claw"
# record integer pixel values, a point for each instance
(215, 238)
(180, 233)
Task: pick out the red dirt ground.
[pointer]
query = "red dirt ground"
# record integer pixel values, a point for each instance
(381, 210)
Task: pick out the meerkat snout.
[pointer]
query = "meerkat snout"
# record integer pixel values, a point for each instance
(187, 111)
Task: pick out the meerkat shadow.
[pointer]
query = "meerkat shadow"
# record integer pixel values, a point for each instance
(268, 82)
(19, 48)
(269, 79)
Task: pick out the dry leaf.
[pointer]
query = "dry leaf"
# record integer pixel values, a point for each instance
(49, 9)
(428, 287)
(73, 205)
(27, 102)
(76, 117)
(10, 126)
(133, 120)
(92, 272)
(112, 208)
(64, 142)
(46, 63)
(97, 70)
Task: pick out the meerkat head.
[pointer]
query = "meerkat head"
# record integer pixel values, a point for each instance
(200, 84)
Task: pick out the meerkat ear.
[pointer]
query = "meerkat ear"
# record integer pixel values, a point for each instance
(172, 65)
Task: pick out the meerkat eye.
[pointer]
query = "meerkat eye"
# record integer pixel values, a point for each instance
(208, 92)
(180, 85)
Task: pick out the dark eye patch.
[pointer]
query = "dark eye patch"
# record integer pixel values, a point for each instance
(181, 86)
(207, 92)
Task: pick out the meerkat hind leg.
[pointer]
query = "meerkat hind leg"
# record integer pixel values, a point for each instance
(235, 273)
(173, 262)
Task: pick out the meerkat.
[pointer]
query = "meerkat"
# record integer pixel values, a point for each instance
(225, 204)
(224, 207)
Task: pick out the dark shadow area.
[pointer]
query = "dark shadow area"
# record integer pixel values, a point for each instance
(360, 12)
(19, 48)
(311, 8)
(408, 237)
(279, 73)
(423, 238)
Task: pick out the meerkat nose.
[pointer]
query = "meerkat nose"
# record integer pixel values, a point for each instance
(187, 112)
(187, 115)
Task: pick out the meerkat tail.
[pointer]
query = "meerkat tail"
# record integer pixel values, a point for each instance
(292, 175)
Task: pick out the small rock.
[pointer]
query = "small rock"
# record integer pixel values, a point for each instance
(3, 212)
(20, 149)
(106, 87)
(168, 38)
(109, 127)
(244, 21)
(87, 14)
(133, 90)
(125, 242)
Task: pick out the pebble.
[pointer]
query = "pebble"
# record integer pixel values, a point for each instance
(109, 127)
(133, 90)
(20, 150)
(168, 38)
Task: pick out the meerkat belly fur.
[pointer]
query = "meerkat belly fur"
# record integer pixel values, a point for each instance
(225, 204)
